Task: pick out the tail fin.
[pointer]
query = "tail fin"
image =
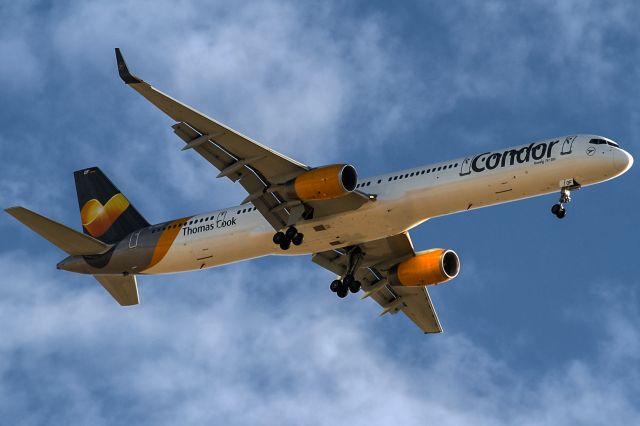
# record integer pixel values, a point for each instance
(106, 214)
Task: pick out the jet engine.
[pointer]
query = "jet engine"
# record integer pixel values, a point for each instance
(323, 183)
(429, 267)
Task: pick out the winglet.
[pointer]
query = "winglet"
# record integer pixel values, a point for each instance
(123, 70)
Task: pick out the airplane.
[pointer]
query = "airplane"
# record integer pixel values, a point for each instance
(355, 227)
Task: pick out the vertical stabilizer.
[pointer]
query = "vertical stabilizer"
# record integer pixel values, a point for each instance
(105, 212)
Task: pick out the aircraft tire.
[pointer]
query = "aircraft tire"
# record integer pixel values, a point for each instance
(279, 238)
(348, 280)
(355, 286)
(555, 209)
(291, 232)
(297, 239)
(561, 213)
(342, 292)
(285, 245)
(335, 285)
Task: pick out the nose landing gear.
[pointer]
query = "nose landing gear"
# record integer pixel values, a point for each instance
(558, 209)
(284, 239)
(566, 186)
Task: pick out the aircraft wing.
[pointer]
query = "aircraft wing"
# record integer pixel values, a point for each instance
(378, 257)
(239, 158)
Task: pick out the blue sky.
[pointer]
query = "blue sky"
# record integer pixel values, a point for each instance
(541, 326)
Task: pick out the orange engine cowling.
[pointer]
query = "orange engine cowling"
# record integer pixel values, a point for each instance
(323, 183)
(429, 267)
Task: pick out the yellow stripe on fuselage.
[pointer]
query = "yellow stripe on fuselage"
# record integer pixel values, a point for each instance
(166, 240)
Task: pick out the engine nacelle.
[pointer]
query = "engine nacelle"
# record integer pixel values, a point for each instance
(323, 183)
(429, 267)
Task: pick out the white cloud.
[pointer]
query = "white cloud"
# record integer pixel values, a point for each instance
(276, 71)
(221, 345)
(255, 343)
(19, 66)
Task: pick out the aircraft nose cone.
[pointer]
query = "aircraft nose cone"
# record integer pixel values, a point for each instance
(622, 161)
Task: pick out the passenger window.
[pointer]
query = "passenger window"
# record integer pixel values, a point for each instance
(379, 180)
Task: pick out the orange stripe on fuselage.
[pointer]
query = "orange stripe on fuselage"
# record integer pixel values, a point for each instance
(166, 240)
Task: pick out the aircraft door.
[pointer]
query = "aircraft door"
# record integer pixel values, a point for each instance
(133, 240)
(567, 145)
(465, 169)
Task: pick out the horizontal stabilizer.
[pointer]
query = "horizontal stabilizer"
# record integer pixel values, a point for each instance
(123, 289)
(73, 242)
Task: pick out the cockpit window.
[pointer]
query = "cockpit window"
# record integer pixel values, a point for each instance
(603, 142)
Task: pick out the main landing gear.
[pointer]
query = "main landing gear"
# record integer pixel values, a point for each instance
(558, 209)
(348, 282)
(284, 239)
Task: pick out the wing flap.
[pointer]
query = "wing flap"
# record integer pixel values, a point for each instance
(418, 307)
(123, 289)
(71, 241)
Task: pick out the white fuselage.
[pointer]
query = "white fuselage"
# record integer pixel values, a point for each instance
(404, 199)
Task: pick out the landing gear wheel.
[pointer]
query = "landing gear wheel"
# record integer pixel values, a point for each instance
(555, 209)
(285, 245)
(354, 287)
(348, 280)
(335, 286)
(342, 292)
(561, 213)
(291, 232)
(279, 238)
(297, 239)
